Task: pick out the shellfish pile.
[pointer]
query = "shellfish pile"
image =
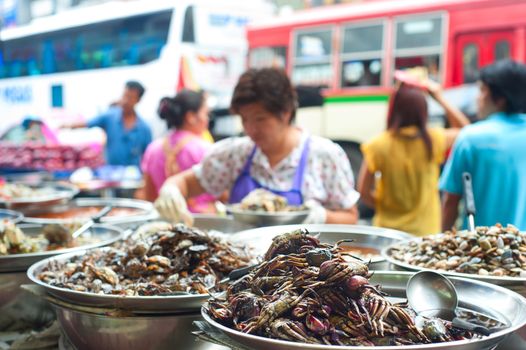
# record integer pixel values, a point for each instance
(491, 251)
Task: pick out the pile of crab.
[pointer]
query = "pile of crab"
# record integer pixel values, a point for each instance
(306, 291)
(162, 260)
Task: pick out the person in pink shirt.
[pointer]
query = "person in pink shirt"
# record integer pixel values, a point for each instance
(187, 118)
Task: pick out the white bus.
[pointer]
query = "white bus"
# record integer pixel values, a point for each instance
(73, 65)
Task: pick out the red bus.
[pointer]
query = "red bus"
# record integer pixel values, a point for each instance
(352, 50)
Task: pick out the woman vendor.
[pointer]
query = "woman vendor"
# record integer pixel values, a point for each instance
(275, 155)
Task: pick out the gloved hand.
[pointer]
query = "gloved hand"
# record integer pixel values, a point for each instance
(317, 215)
(171, 205)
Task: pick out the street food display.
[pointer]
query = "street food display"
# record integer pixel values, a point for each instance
(170, 260)
(53, 237)
(490, 251)
(266, 201)
(310, 292)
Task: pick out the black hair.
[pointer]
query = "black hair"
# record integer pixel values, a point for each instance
(269, 86)
(135, 85)
(506, 80)
(174, 109)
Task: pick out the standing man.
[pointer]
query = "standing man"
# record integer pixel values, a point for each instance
(493, 151)
(127, 134)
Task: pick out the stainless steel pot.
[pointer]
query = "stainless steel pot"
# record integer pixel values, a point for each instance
(362, 236)
(93, 331)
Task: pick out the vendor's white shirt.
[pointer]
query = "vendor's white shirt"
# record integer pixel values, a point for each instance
(328, 178)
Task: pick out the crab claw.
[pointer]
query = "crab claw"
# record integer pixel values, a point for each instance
(316, 325)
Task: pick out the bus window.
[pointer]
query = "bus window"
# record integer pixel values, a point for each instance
(470, 63)
(188, 26)
(361, 58)
(312, 58)
(268, 57)
(502, 50)
(418, 43)
(129, 41)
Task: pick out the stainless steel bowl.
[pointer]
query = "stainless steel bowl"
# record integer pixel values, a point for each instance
(139, 304)
(517, 284)
(145, 211)
(94, 331)
(20, 262)
(225, 224)
(502, 304)
(261, 218)
(362, 236)
(60, 193)
(14, 216)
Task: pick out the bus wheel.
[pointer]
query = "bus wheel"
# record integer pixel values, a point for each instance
(352, 149)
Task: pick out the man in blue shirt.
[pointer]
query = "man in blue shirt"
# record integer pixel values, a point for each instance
(127, 135)
(493, 151)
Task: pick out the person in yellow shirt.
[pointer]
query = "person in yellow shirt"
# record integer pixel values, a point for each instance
(400, 169)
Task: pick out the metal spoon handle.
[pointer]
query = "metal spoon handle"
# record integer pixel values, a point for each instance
(469, 199)
(468, 326)
(94, 219)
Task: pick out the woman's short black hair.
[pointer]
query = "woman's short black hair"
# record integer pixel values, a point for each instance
(506, 80)
(269, 86)
(174, 109)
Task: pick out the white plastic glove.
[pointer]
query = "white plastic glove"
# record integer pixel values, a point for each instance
(171, 205)
(317, 215)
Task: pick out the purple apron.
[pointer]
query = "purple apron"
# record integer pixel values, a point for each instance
(245, 183)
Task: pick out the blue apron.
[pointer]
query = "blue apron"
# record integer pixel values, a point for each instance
(245, 183)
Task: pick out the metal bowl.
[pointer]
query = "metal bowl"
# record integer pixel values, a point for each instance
(225, 224)
(138, 304)
(505, 306)
(517, 284)
(20, 262)
(261, 218)
(14, 216)
(362, 236)
(145, 211)
(60, 193)
(94, 331)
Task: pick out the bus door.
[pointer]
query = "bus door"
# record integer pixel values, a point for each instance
(475, 50)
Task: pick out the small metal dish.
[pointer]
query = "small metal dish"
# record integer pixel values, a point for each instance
(11, 215)
(144, 211)
(59, 193)
(261, 218)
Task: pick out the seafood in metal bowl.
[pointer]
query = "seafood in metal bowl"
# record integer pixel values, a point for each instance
(263, 200)
(306, 291)
(506, 308)
(154, 262)
(13, 240)
(490, 251)
(10, 191)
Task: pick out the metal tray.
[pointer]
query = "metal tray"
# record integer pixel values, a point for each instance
(20, 262)
(362, 236)
(147, 211)
(61, 193)
(261, 218)
(224, 224)
(517, 284)
(137, 304)
(505, 306)
(11, 215)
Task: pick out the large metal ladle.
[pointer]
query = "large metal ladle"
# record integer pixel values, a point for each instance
(431, 294)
